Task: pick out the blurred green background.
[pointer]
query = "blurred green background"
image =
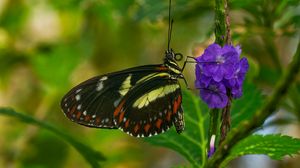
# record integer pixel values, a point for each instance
(49, 46)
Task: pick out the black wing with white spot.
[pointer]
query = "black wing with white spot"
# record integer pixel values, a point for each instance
(151, 107)
(93, 102)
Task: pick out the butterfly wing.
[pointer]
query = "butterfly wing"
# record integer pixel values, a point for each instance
(93, 102)
(151, 107)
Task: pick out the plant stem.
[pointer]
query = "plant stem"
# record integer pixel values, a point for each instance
(225, 120)
(260, 116)
(227, 23)
(223, 36)
(214, 126)
(220, 26)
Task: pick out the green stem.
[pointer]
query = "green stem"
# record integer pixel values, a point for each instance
(214, 125)
(220, 27)
(260, 116)
(223, 36)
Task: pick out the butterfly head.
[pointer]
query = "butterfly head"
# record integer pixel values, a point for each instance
(171, 59)
(172, 56)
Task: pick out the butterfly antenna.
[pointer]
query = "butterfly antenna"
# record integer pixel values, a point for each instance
(170, 25)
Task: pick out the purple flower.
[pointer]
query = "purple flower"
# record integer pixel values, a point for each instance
(220, 73)
(236, 82)
(219, 62)
(214, 94)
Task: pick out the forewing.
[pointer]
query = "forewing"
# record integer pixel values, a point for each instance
(151, 107)
(93, 102)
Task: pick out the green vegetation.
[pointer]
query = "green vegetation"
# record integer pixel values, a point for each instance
(47, 47)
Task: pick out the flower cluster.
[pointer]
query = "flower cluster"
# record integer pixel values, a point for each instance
(220, 73)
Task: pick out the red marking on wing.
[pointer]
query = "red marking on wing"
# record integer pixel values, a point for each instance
(169, 116)
(179, 99)
(98, 120)
(121, 117)
(118, 109)
(87, 118)
(176, 105)
(72, 110)
(162, 68)
(158, 123)
(78, 115)
(136, 128)
(147, 127)
(127, 123)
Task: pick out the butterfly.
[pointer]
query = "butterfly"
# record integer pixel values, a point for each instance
(141, 101)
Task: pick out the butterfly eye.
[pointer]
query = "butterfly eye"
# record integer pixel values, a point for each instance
(178, 56)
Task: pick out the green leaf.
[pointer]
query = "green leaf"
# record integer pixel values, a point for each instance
(91, 156)
(275, 146)
(192, 142)
(245, 107)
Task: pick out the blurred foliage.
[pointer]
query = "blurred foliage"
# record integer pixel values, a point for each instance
(46, 47)
(245, 107)
(93, 157)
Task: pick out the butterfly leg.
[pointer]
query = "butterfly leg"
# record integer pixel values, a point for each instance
(186, 61)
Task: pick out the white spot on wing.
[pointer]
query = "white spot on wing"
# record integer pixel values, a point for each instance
(77, 97)
(94, 116)
(84, 113)
(78, 90)
(79, 107)
(100, 86)
(103, 78)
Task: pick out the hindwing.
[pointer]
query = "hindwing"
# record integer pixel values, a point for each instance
(151, 107)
